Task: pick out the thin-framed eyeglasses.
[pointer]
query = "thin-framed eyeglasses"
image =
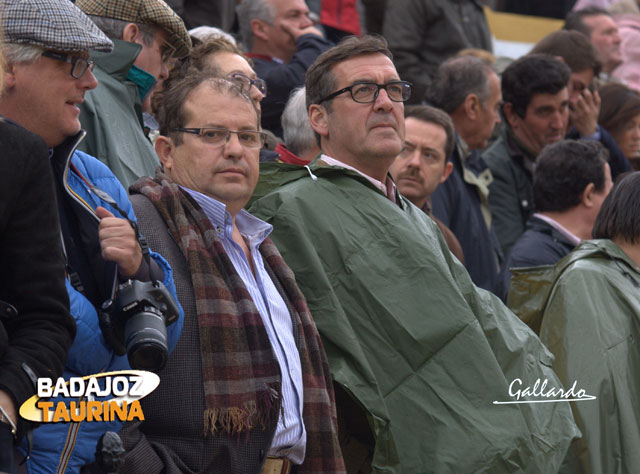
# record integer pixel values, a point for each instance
(79, 65)
(245, 82)
(367, 92)
(167, 51)
(221, 136)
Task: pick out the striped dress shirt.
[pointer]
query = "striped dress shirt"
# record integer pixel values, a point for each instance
(290, 437)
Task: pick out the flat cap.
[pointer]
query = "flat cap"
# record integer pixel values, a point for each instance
(52, 24)
(148, 12)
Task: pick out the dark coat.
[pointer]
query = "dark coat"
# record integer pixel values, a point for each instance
(457, 204)
(282, 78)
(541, 244)
(423, 33)
(511, 191)
(33, 343)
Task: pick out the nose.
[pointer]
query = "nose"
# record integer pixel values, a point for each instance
(164, 72)
(88, 81)
(233, 149)
(306, 21)
(414, 159)
(383, 102)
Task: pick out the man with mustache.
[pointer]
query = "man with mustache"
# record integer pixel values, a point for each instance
(250, 358)
(424, 162)
(417, 352)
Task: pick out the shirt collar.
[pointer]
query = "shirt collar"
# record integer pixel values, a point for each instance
(378, 184)
(253, 229)
(574, 239)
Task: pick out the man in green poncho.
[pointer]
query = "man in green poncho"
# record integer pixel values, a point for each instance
(413, 345)
(592, 325)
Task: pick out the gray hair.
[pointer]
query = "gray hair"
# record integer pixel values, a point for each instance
(298, 134)
(458, 77)
(114, 28)
(253, 10)
(21, 53)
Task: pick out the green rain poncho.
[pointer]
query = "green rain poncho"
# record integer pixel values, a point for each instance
(591, 323)
(407, 333)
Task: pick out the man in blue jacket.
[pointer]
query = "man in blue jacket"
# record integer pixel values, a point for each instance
(47, 44)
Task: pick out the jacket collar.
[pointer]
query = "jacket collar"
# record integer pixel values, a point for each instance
(118, 62)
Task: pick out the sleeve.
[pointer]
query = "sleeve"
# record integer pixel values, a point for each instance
(405, 28)
(144, 455)
(617, 161)
(33, 281)
(283, 78)
(104, 179)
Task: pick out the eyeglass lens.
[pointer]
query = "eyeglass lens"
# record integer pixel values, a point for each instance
(220, 136)
(369, 91)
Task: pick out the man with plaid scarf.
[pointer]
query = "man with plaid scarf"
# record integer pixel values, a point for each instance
(248, 388)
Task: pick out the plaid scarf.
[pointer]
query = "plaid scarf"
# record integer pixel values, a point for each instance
(240, 372)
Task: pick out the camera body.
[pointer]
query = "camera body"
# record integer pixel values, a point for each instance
(135, 322)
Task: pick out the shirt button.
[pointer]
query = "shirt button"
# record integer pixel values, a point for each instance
(219, 230)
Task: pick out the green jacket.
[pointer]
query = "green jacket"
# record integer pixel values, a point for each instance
(591, 323)
(112, 116)
(407, 334)
(511, 191)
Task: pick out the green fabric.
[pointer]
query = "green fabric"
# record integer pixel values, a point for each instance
(112, 116)
(407, 333)
(592, 324)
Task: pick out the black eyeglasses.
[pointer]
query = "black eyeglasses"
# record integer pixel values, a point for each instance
(367, 92)
(245, 83)
(221, 136)
(79, 65)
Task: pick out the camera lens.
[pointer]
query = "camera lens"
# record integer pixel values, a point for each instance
(146, 340)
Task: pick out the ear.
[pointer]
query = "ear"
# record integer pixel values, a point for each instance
(259, 29)
(9, 77)
(587, 195)
(447, 171)
(318, 116)
(513, 119)
(131, 33)
(164, 149)
(472, 106)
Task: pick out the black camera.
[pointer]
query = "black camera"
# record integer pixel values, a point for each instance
(135, 322)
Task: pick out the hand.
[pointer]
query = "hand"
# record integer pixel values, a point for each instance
(293, 30)
(7, 404)
(584, 113)
(119, 243)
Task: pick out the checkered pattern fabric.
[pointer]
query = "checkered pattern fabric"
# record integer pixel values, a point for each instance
(52, 24)
(150, 12)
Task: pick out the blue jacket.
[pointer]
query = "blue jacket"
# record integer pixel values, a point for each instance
(66, 447)
(541, 244)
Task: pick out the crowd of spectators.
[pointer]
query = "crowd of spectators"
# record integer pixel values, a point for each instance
(442, 228)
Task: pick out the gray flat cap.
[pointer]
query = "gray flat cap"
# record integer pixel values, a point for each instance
(52, 24)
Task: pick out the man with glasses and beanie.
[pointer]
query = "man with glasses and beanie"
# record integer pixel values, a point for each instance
(418, 353)
(248, 388)
(48, 71)
(146, 35)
